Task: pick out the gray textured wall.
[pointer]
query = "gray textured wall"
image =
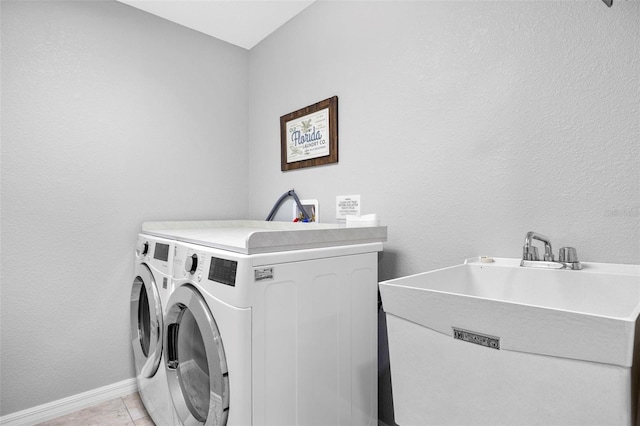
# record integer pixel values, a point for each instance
(110, 117)
(462, 124)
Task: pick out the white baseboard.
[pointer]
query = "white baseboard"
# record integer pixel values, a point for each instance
(70, 404)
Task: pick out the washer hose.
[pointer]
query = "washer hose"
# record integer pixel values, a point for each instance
(291, 193)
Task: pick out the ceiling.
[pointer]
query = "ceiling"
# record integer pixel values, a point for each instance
(241, 22)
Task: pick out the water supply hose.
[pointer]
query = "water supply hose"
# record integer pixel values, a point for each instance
(292, 193)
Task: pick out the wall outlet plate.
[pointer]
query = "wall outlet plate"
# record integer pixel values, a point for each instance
(310, 206)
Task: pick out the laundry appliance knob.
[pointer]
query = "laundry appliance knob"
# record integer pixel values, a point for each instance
(191, 263)
(143, 248)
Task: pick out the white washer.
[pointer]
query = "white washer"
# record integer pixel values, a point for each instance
(272, 324)
(208, 342)
(152, 281)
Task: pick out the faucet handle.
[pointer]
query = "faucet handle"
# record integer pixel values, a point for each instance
(568, 255)
(530, 253)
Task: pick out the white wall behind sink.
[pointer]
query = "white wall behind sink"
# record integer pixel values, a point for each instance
(463, 125)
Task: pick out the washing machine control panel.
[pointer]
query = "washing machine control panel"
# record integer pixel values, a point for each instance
(223, 271)
(193, 264)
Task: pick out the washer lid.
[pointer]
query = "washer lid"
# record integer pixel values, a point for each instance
(250, 237)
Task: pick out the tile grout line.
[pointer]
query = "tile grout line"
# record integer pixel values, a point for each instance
(128, 411)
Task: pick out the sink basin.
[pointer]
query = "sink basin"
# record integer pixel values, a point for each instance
(500, 344)
(588, 315)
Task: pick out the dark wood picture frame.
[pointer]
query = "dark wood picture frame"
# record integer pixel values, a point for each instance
(302, 144)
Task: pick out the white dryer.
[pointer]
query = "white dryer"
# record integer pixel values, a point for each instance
(152, 281)
(272, 323)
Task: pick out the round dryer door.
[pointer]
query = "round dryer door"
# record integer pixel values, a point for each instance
(196, 364)
(146, 322)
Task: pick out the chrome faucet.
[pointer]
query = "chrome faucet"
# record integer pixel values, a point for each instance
(530, 252)
(567, 257)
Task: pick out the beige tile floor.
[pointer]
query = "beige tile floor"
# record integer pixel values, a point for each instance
(126, 411)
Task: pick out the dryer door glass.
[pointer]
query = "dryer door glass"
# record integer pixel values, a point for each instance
(146, 322)
(196, 365)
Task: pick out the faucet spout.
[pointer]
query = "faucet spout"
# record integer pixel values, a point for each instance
(529, 251)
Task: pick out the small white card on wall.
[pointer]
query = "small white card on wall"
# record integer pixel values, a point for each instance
(347, 205)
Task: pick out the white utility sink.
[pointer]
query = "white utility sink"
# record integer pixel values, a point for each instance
(565, 326)
(546, 311)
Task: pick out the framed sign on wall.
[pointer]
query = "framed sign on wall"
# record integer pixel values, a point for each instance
(309, 136)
